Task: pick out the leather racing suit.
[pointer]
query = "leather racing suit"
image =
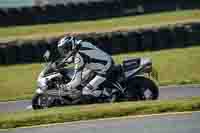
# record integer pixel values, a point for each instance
(90, 58)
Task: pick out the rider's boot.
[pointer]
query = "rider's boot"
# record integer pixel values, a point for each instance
(90, 94)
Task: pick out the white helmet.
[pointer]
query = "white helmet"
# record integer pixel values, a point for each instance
(67, 44)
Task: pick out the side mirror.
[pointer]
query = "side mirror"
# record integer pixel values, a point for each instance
(46, 55)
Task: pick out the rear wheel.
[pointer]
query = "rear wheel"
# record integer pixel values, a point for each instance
(113, 98)
(142, 88)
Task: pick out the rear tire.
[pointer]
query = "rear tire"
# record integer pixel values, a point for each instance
(113, 98)
(142, 88)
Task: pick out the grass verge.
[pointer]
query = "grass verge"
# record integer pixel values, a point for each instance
(87, 112)
(175, 66)
(131, 22)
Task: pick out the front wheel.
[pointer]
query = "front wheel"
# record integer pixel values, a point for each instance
(41, 101)
(142, 88)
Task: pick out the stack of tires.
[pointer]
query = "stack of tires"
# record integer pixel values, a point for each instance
(172, 36)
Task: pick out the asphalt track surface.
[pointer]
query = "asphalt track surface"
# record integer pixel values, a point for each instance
(184, 123)
(170, 92)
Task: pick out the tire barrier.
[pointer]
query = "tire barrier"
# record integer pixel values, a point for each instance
(8, 53)
(119, 42)
(193, 33)
(2, 54)
(171, 36)
(133, 41)
(24, 52)
(89, 11)
(163, 38)
(179, 36)
(146, 40)
(104, 42)
(159, 5)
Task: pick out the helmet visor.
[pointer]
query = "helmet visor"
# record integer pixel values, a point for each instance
(63, 51)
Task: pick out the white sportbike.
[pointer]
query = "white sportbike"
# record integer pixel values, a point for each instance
(129, 81)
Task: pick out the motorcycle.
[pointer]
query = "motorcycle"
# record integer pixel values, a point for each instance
(130, 81)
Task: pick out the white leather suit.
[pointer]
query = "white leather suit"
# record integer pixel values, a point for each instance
(90, 58)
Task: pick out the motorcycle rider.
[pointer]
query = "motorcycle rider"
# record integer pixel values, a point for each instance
(85, 56)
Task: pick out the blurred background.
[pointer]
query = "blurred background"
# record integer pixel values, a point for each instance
(16, 3)
(19, 3)
(160, 29)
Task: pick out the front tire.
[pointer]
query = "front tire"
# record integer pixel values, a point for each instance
(142, 88)
(41, 101)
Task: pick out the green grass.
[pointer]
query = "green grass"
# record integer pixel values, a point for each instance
(131, 22)
(76, 113)
(18, 81)
(175, 66)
